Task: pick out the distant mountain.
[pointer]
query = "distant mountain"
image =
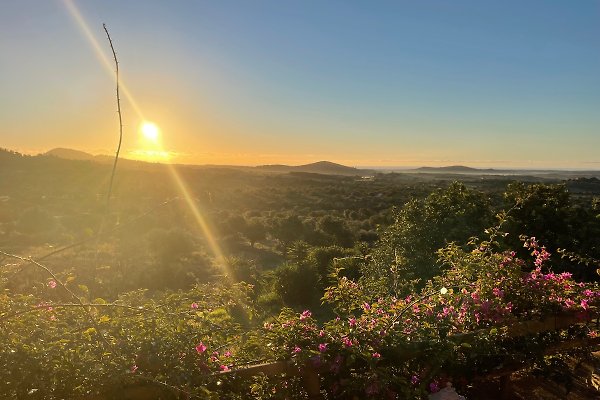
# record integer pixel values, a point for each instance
(320, 167)
(521, 173)
(458, 169)
(70, 154)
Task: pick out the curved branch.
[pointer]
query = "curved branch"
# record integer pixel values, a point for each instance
(112, 176)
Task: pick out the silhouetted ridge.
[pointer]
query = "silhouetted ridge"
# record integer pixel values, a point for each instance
(453, 168)
(319, 167)
(70, 154)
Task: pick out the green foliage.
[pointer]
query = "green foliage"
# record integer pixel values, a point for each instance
(548, 212)
(161, 314)
(405, 256)
(169, 245)
(58, 350)
(337, 229)
(297, 285)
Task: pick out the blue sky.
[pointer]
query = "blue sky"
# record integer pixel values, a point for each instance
(480, 83)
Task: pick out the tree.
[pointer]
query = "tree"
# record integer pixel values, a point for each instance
(287, 230)
(406, 252)
(254, 231)
(538, 210)
(548, 213)
(337, 229)
(298, 285)
(169, 245)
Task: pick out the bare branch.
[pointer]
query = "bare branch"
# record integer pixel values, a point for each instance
(62, 284)
(112, 176)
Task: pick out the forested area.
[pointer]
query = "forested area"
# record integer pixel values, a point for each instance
(176, 285)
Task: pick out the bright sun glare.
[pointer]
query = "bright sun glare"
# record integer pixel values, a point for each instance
(150, 131)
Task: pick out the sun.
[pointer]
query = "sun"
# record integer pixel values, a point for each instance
(150, 131)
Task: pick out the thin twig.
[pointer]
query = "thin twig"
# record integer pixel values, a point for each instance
(77, 305)
(99, 234)
(188, 395)
(112, 176)
(64, 286)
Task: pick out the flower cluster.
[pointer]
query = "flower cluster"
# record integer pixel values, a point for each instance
(381, 339)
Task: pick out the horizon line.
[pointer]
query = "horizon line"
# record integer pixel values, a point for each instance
(494, 165)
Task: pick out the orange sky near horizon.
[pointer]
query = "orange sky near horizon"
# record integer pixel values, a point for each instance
(398, 85)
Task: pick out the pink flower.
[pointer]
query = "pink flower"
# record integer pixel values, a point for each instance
(296, 350)
(305, 314)
(224, 368)
(434, 387)
(376, 355)
(584, 304)
(366, 306)
(414, 379)
(569, 303)
(352, 322)
(200, 348)
(566, 275)
(498, 292)
(347, 342)
(323, 347)
(52, 284)
(194, 306)
(227, 354)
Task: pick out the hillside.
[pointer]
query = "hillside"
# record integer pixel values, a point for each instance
(77, 155)
(70, 154)
(522, 174)
(320, 167)
(458, 169)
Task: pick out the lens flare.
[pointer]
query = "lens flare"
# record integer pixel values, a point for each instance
(151, 132)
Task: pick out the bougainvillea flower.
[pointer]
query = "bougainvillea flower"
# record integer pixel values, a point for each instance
(200, 348)
(305, 314)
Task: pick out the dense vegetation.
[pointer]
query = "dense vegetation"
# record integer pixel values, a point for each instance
(173, 284)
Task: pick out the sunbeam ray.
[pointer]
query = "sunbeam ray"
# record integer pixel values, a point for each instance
(100, 54)
(214, 247)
